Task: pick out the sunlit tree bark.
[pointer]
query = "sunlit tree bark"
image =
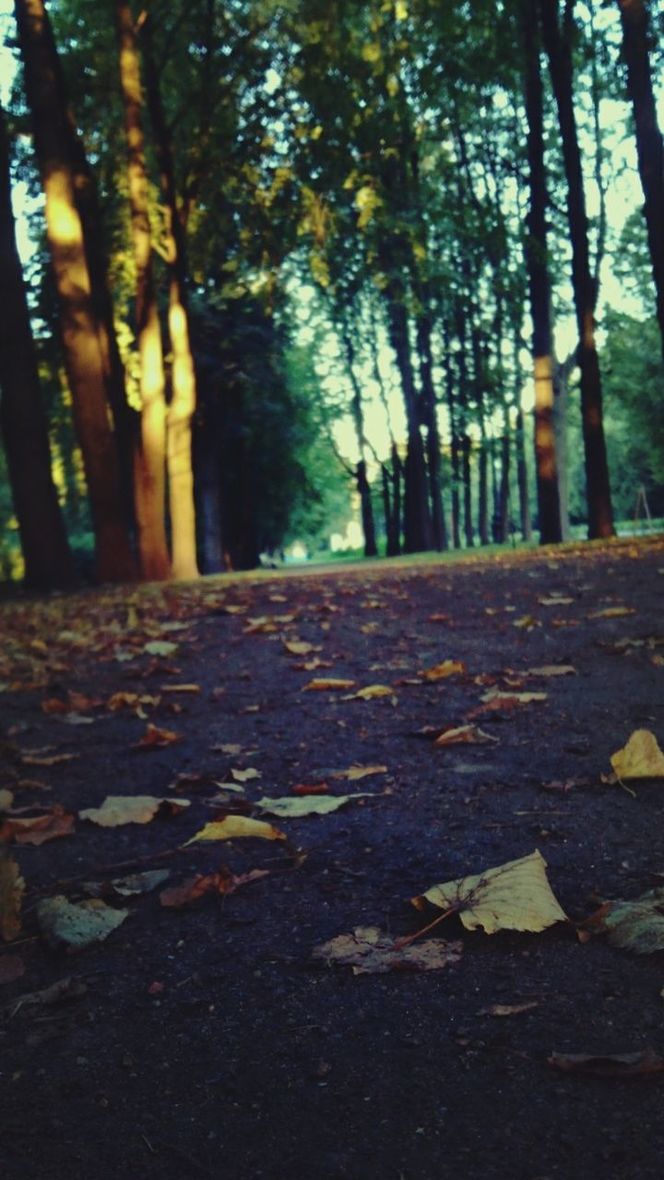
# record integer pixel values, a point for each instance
(183, 374)
(84, 362)
(557, 44)
(43, 538)
(536, 252)
(150, 470)
(649, 143)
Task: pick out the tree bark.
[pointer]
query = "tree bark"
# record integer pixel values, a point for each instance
(429, 401)
(454, 438)
(649, 143)
(362, 483)
(183, 375)
(150, 457)
(417, 531)
(84, 362)
(46, 554)
(598, 490)
(536, 252)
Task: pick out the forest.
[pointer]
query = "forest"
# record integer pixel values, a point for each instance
(270, 266)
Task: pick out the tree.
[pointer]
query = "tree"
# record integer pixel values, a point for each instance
(557, 43)
(151, 450)
(540, 288)
(44, 543)
(649, 143)
(84, 361)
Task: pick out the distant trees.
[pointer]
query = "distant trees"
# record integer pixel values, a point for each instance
(406, 168)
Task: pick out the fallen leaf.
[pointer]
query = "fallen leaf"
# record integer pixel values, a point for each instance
(245, 776)
(6, 799)
(77, 926)
(227, 748)
(37, 829)
(552, 670)
(555, 600)
(130, 886)
(613, 1065)
(443, 670)
(298, 647)
(464, 735)
(513, 896)
(371, 952)
(354, 773)
(612, 612)
(310, 789)
(129, 809)
(290, 808)
(234, 827)
(11, 967)
(184, 688)
(513, 698)
(46, 759)
(160, 647)
(328, 684)
(636, 926)
(12, 888)
(223, 883)
(508, 1009)
(69, 988)
(155, 738)
(370, 692)
(640, 758)
(526, 622)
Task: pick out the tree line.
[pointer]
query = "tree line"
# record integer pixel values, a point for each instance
(413, 180)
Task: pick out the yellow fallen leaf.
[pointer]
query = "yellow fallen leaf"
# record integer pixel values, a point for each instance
(155, 738)
(517, 698)
(513, 896)
(470, 735)
(328, 684)
(234, 827)
(299, 647)
(117, 810)
(526, 622)
(193, 688)
(612, 612)
(356, 772)
(552, 670)
(245, 776)
(6, 799)
(556, 600)
(370, 693)
(640, 758)
(160, 647)
(443, 670)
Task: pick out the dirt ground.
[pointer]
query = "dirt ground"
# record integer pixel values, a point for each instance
(206, 1040)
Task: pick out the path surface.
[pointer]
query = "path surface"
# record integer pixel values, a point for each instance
(205, 1040)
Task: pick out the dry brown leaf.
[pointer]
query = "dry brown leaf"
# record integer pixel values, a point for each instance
(184, 688)
(156, 738)
(508, 1009)
(328, 684)
(222, 883)
(612, 612)
(369, 951)
(464, 735)
(641, 757)
(38, 829)
(443, 670)
(12, 888)
(613, 1065)
(11, 967)
(234, 827)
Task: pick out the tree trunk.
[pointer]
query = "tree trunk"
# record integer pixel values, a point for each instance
(417, 533)
(598, 490)
(649, 143)
(394, 534)
(503, 508)
(363, 486)
(438, 529)
(454, 438)
(84, 362)
(522, 479)
(150, 455)
(546, 470)
(183, 376)
(44, 543)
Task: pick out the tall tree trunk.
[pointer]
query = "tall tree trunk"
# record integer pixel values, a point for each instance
(598, 489)
(522, 479)
(150, 484)
(483, 457)
(536, 252)
(454, 437)
(183, 375)
(503, 507)
(394, 534)
(44, 543)
(417, 532)
(87, 202)
(357, 414)
(649, 143)
(423, 334)
(84, 362)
